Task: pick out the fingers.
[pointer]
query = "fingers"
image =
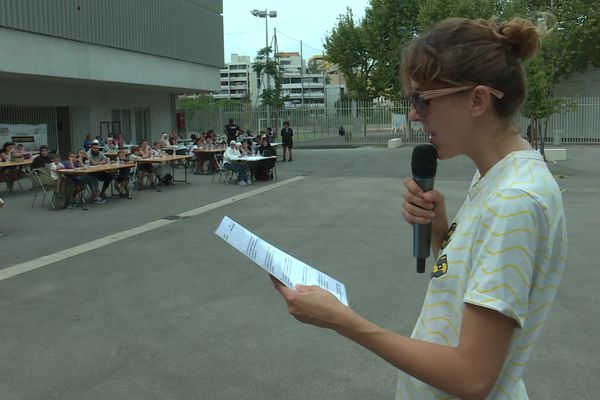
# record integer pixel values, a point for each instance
(418, 207)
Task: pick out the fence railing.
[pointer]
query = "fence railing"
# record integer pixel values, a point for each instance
(368, 123)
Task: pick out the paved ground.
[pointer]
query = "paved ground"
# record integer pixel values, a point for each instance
(175, 313)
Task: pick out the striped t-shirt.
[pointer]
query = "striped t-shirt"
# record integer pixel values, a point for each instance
(505, 250)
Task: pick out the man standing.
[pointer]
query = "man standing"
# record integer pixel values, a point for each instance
(287, 140)
(231, 130)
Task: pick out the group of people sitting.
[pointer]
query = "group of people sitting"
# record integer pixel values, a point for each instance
(12, 174)
(238, 150)
(48, 168)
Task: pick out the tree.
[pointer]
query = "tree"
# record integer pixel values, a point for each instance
(270, 71)
(389, 26)
(346, 46)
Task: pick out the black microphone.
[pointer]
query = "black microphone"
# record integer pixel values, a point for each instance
(424, 166)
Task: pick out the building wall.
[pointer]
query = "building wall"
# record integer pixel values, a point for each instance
(54, 57)
(91, 104)
(586, 84)
(171, 29)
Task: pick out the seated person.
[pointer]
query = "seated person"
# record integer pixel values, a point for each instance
(82, 158)
(144, 169)
(41, 165)
(122, 179)
(264, 167)
(110, 145)
(19, 152)
(9, 174)
(265, 149)
(74, 183)
(244, 149)
(164, 140)
(56, 164)
(230, 157)
(43, 159)
(96, 157)
(160, 169)
(120, 140)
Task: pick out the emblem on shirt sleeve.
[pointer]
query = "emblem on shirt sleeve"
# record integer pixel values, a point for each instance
(448, 236)
(441, 267)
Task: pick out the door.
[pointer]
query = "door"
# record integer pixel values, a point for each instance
(63, 128)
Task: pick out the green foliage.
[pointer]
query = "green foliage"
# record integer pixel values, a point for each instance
(347, 47)
(368, 52)
(206, 100)
(269, 69)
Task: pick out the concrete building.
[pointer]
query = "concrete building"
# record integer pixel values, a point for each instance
(104, 67)
(235, 78)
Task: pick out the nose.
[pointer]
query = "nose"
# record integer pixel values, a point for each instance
(413, 115)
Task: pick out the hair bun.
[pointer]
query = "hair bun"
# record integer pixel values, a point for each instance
(522, 37)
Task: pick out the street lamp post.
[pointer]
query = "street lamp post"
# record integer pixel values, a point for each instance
(266, 14)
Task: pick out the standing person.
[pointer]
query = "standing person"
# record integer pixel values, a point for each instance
(501, 259)
(231, 130)
(287, 140)
(87, 143)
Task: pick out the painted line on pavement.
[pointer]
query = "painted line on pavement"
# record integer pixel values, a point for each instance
(40, 262)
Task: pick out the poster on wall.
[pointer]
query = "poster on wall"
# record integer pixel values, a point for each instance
(31, 136)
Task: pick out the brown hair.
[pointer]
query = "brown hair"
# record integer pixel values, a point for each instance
(460, 52)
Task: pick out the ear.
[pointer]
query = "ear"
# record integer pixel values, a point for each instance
(481, 100)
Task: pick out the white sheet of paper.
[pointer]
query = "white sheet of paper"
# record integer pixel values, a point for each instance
(281, 265)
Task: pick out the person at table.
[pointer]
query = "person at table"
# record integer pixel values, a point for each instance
(96, 157)
(287, 140)
(120, 140)
(41, 164)
(199, 144)
(87, 143)
(159, 168)
(9, 174)
(173, 138)
(43, 159)
(213, 135)
(110, 145)
(55, 165)
(82, 158)
(144, 169)
(265, 149)
(244, 149)
(164, 139)
(74, 184)
(122, 179)
(231, 130)
(230, 157)
(19, 152)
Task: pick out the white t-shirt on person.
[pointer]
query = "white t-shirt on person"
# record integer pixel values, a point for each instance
(505, 250)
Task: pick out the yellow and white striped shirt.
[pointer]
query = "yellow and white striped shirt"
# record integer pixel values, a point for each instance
(505, 250)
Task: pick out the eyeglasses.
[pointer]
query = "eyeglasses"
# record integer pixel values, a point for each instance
(420, 100)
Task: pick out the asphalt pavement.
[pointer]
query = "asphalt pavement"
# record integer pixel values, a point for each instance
(134, 299)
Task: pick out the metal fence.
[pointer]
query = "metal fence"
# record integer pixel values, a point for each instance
(369, 123)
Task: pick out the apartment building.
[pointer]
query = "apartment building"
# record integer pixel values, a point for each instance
(302, 86)
(235, 79)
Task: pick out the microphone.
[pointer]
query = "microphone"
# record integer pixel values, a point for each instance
(424, 166)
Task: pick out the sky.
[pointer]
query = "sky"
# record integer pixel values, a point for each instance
(305, 20)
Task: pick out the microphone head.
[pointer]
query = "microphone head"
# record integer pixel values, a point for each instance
(424, 161)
